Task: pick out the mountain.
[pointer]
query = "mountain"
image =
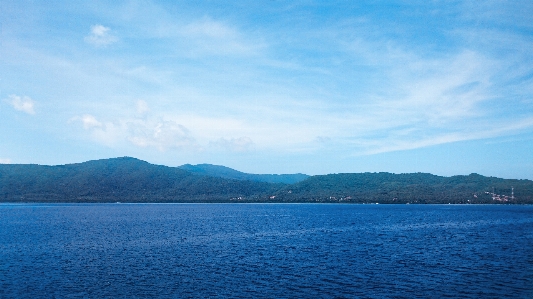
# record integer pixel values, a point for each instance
(119, 179)
(228, 173)
(131, 180)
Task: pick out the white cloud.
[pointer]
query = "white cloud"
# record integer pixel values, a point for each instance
(24, 103)
(162, 134)
(107, 133)
(90, 121)
(5, 161)
(100, 36)
(145, 132)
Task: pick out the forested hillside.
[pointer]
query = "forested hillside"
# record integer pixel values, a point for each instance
(121, 179)
(132, 180)
(407, 188)
(228, 173)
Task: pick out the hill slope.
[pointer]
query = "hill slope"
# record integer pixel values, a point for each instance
(407, 188)
(228, 173)
(120, 179)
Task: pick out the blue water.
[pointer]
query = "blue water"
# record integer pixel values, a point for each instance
(265, 251)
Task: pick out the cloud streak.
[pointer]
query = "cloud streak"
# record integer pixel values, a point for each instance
(215, 37)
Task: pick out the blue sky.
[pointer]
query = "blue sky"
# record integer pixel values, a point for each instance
(317, 87)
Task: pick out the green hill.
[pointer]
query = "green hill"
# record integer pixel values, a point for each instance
(120, 179)
(132, 180)
(228, 173)
(407, 188)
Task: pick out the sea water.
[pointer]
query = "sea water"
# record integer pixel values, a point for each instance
(265, 251)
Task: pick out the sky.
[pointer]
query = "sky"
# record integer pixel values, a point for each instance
(315, 87)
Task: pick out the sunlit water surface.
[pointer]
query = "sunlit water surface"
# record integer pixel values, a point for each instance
(265, 251)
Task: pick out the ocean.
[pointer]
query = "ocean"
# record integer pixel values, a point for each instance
(265, 251)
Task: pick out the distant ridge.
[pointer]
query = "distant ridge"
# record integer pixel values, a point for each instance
(384, 187)
(129, 179)
(229, 173)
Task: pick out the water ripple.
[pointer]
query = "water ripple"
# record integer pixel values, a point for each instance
(269, 251)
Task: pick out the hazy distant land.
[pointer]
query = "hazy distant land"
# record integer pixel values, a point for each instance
(131, 180)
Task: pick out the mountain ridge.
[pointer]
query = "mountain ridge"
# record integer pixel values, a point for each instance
(229, 173)
(128, 179)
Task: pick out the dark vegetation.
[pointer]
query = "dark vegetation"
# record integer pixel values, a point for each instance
(121, 179)
(132, 180)
(407, 188)
(228, 173)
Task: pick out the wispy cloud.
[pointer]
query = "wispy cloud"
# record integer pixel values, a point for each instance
(271, 80)
(161, 134)
(142, 131)
(409, 100)
(21, 103)
(89, 121)
(395, 142)
(424, 99)
(108, 133)
(208, 36)
(100, 36)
